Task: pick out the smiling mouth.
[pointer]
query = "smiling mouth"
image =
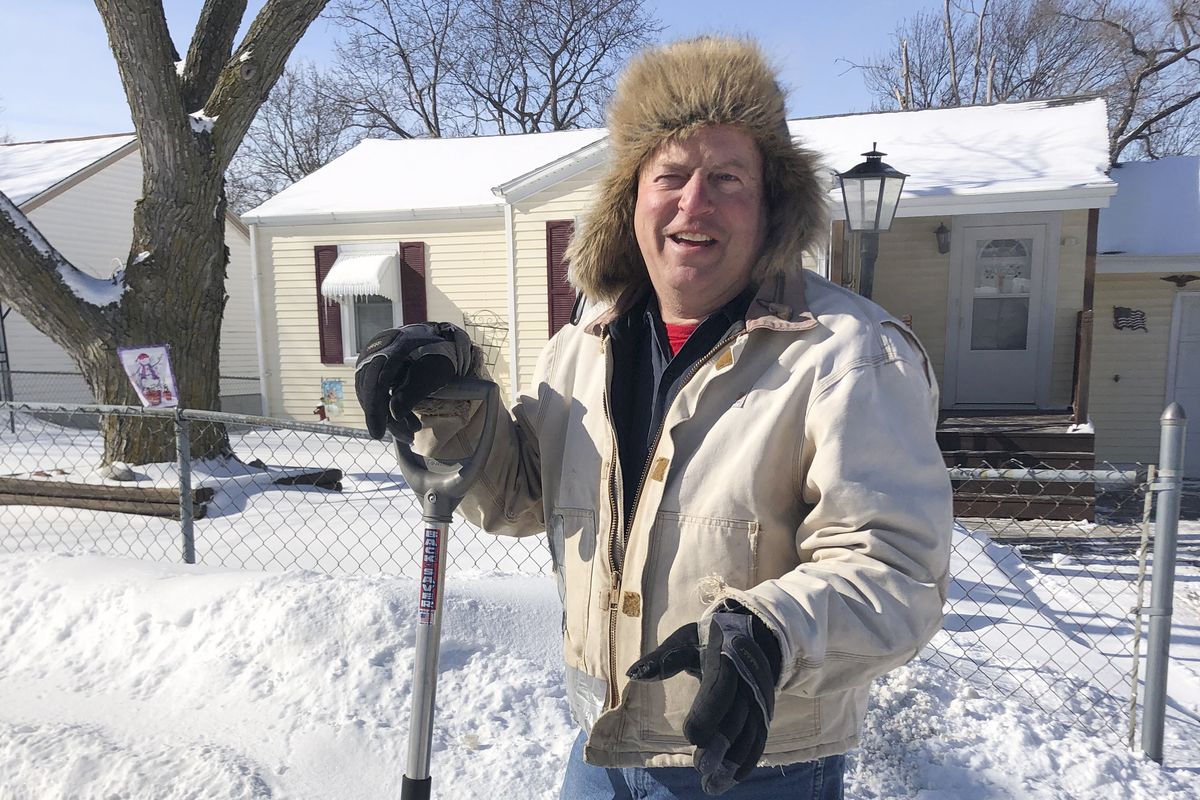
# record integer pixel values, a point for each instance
(692, 239)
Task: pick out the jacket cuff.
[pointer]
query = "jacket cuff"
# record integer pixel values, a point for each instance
(719, 596)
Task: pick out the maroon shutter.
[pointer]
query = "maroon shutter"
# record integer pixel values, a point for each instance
(412, 282)
(329, 313)
(560, 294)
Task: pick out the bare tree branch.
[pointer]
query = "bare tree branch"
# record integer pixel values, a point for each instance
(37, 281)
(212, 44)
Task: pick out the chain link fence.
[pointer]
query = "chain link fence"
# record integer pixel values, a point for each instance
(1044, 601)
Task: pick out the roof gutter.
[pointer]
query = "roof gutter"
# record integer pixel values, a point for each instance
(259, 335)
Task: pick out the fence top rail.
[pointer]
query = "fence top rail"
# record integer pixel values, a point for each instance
(1111, 476)
(246, 420)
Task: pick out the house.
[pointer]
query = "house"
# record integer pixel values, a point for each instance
(444, 229)
(1146, 351)
(80, 193)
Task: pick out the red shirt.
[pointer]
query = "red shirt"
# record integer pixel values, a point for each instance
(678, 334)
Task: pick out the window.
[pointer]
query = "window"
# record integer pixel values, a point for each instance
(364, 288)
(367, 316)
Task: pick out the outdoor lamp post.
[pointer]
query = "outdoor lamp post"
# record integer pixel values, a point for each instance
(871, 192)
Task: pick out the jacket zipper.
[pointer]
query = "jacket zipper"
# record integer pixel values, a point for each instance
(614, 591)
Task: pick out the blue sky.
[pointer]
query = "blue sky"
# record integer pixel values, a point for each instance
(58, 79)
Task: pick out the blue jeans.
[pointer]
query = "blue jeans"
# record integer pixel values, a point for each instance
(811, 780)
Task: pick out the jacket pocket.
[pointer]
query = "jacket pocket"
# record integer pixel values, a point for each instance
(573, 547)
(688, 557)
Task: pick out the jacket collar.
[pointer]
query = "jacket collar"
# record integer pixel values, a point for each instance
(778, 306)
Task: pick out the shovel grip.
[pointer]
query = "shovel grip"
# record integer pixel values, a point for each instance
(450, 479)
(415, 789)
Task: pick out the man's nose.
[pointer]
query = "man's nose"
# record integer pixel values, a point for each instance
(694, 198)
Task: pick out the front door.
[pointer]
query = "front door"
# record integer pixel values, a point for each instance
(999, 311)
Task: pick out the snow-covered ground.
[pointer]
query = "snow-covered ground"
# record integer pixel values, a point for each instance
(125, 678)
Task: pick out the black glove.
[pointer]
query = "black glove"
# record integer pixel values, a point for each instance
(738, 671)
(400, 367)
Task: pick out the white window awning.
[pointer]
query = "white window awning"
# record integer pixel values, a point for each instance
(360, 274)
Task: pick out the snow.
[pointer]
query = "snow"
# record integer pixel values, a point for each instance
(129, 678)
(1156, 209)
(201, 122)
(387, 175)
(960, 152)
(1041, 146)
(29, 168)
(96, 291)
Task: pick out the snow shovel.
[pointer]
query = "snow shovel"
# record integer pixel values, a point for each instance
(441, 486)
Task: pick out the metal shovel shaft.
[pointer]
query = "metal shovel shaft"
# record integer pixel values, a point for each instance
(429, 630)
(441, 487)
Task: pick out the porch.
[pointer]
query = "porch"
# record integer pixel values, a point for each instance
(1019, 465)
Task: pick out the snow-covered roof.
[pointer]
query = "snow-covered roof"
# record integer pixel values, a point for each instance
(29, 168)
(1042, 155)
(1039, 155)
(392, 178)
(1156, 211)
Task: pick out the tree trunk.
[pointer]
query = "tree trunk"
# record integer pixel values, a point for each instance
(176, 297)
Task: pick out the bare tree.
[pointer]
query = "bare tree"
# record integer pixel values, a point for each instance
(190, 119)
(1141, 57)
(447, 68)
(396, 68)
(299, 129)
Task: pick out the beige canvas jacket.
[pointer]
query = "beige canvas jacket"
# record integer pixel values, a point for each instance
(796, 471)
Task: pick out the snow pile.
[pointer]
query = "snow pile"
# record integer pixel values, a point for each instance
(121, 678)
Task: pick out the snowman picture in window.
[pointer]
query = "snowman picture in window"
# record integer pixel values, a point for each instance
(149, 370)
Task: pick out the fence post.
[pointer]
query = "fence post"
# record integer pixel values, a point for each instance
(1166, 529)
(184, 455)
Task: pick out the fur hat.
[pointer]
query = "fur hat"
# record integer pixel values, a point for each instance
(667, 94)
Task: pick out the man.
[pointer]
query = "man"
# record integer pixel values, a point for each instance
(734, 460)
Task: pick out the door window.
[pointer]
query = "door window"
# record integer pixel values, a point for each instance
(1003, 279)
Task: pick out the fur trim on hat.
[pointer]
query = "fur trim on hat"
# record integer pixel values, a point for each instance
(666, 94)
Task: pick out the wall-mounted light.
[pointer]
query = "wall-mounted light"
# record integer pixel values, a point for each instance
(943, 238)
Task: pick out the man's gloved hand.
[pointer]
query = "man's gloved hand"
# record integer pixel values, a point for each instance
(400, 367)
(738, 671)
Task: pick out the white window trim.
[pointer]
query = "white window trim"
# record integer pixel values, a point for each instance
(349, 351)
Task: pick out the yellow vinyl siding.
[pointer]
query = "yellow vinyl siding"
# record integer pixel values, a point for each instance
(912, 278)
(465, 268)
(565, 200)
(1129, 368)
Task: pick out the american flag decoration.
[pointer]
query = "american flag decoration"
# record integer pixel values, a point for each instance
(1129, 319)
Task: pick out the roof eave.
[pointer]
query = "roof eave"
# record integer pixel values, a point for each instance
(392, 215)
(556, 171)
(1133, 263)
(77, 177)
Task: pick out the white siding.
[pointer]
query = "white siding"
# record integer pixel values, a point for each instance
(465, 266)
(91, 224)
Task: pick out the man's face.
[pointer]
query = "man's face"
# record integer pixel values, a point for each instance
(700, 220)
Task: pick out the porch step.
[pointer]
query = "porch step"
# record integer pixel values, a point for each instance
(1005, 459)
(1024, 507)
(1020, 441)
